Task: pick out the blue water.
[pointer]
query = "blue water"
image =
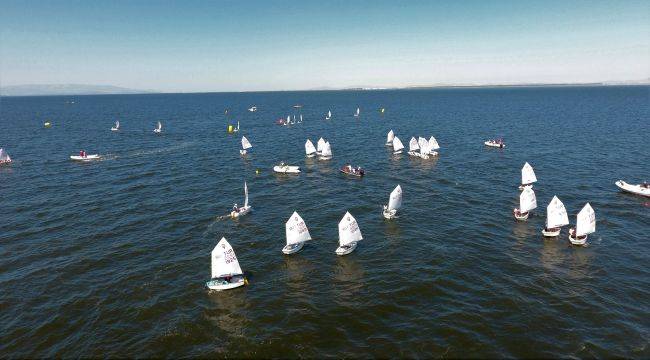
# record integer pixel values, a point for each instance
(110, 258)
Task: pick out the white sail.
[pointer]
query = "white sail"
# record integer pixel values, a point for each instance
(395, 200)
(527, 200)
(245, 144)
(245, 194)
(296, 230)
(320, 144)
(4, 157)
(237, 125)
(329, 114)
(300, 117)
(433, 144)
(527, 174)
(586, 221)
(424, 145)
(390, 137)
(288, 119)
(413, 145)
(327, 149)
(309, 147)
(397, 144)
(357, 113)
(349, 231)
(556, 215)
(224, 260)
(159, 127)
(117, 124)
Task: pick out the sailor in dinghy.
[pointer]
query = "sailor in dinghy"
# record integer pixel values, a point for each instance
(4, 157)
(245, 145)
(241, 211)
(424, 148)
(319, 146)
(414, 147)
(498, 143)
(394, 203)
(585, 225)
(326, 153)
(158, 128)
(297, 234)
(390, 137)
(349, 235)
(433, 145)
(329, 115)
(527, 176)
(310, 150)
(527, 202)
(117, 126)
(226, 272)
(397, 146)
(556, 217)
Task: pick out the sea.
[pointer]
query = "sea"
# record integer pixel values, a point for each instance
(110, 258)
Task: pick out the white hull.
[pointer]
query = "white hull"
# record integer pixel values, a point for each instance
(86, 158)
(493, 144)
(397, 152)
(551, 233)
(115, 129)
(242, 152)
(346, 250)
(522, 187)
(417, 154)
(324, 158)
(5, 162)
(156, 131)
(389, 214)
(219, 284)
(241, 211)
(520, 216)
(578, 241)
(311, 155)
(287, 169)
(292, 249)
(633, 189)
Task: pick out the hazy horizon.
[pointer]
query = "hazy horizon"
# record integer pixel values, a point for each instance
(201, 46)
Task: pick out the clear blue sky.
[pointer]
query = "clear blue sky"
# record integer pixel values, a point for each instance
(270, 45)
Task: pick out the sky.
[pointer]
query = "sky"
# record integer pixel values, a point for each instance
(196, 46)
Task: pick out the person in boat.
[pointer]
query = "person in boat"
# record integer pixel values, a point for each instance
(572, 233)
(645, 185)
(519, 213)
(82, 153)
(235, 208)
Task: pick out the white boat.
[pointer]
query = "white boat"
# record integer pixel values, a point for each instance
(495, 143)
(237, 128)
(329, 115)
(389, 138)
(116, 127)
(433, 144)
(349, 235)
(356, 114)
(226, 272)
(556, 217)
(527, 202)
(297, 233)
(158, 128)
(288, 122)
(47, 124)
(424, 148)
(245, 145)
(294, 120)
(394, 203)
(527, 176)
(585, 225)
(300, 120)
(286, 169)
(310, 150)
(93, 157)
(640, 189)
(241, 211)
(252, 109)
(326, 153)
(319, 145)
(397, 146)
(414, 148)
(4, 157)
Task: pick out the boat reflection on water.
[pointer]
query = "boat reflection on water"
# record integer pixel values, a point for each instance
(348, 281)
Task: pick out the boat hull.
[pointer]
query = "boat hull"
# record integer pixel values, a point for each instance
(242, 211)
(324, 158)
(633, 189)
(156, 131)
(551, 233)
(293, 248)
(220, 284)
(522, 187)
(242, 152)
(344, 170)
(493, 144)
(389, 214)
(520, 216)
(94, 157)
(286, 169)
(397, 152)
(115, 129)
(344, 250)
(580, 240)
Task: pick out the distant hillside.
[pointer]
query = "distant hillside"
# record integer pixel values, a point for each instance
(65, 89)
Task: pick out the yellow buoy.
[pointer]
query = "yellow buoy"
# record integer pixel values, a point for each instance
(257, 171)
(47, 124)
(230, 129)
(245, 281)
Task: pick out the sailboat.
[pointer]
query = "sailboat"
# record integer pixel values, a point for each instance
(389, 138)
(4, 157)
(299, 121)
(158, 128)
(297, 234)
(294, 120)
(245, 144)
(414, 148)
(116, 127)
(424, 147)
(433, 144)
(527, 176)
(527, 202)
(394, 203)
(241, 211)
(310, 150)
(329, 115)
(585, 225)
(397, 146)
(288, 122)
(252, 108)
(356, 114)
(349, 235)
(226, 272)
(556, 217)
(237, 128)
(319, 146)
(326, 153)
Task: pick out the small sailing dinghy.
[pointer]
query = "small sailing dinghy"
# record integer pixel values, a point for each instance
(241, 211)
(47, 124)
(4, 157)
(300, 120)
(252, 109)
(237, 128)
(639, 189)
(356, 114)
(433, 145)
(245, 144)
(85, 157)
(326, 153)
(414, 147)
(527, 202)
(397, 146)
(158, 128)
(351, 170)
(349, 235)
(116, 127)
(424, 148)
(226, 272)
(286, 169)
(498, 143)
(310, 150)
(585, 225)
(527, 176)
(329, 115)
(394, 203)
(319, 146)
(556, 217)
(389, 138)
(297, 234)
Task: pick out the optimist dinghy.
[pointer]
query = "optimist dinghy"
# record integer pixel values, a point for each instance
(4, 157)
(286, 169)
(527, 202)
(319, 146)
(556, 217)
(527, 176)
(585, 225)
(241, 211)
(226, 272)
(326, 153)
(158, 128)
(310, 150)
(424, 148)
(394, 203)
(297, 234)
(495, 143)
(433, 145)
(397, 146)
(351, 170)
(245, 144)
(356, 114)
(349, 235)
(252, 109)
(414, 147)
(116, 127)
(640, 189)
(389, 138)
(237, 128)
(329, 115)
